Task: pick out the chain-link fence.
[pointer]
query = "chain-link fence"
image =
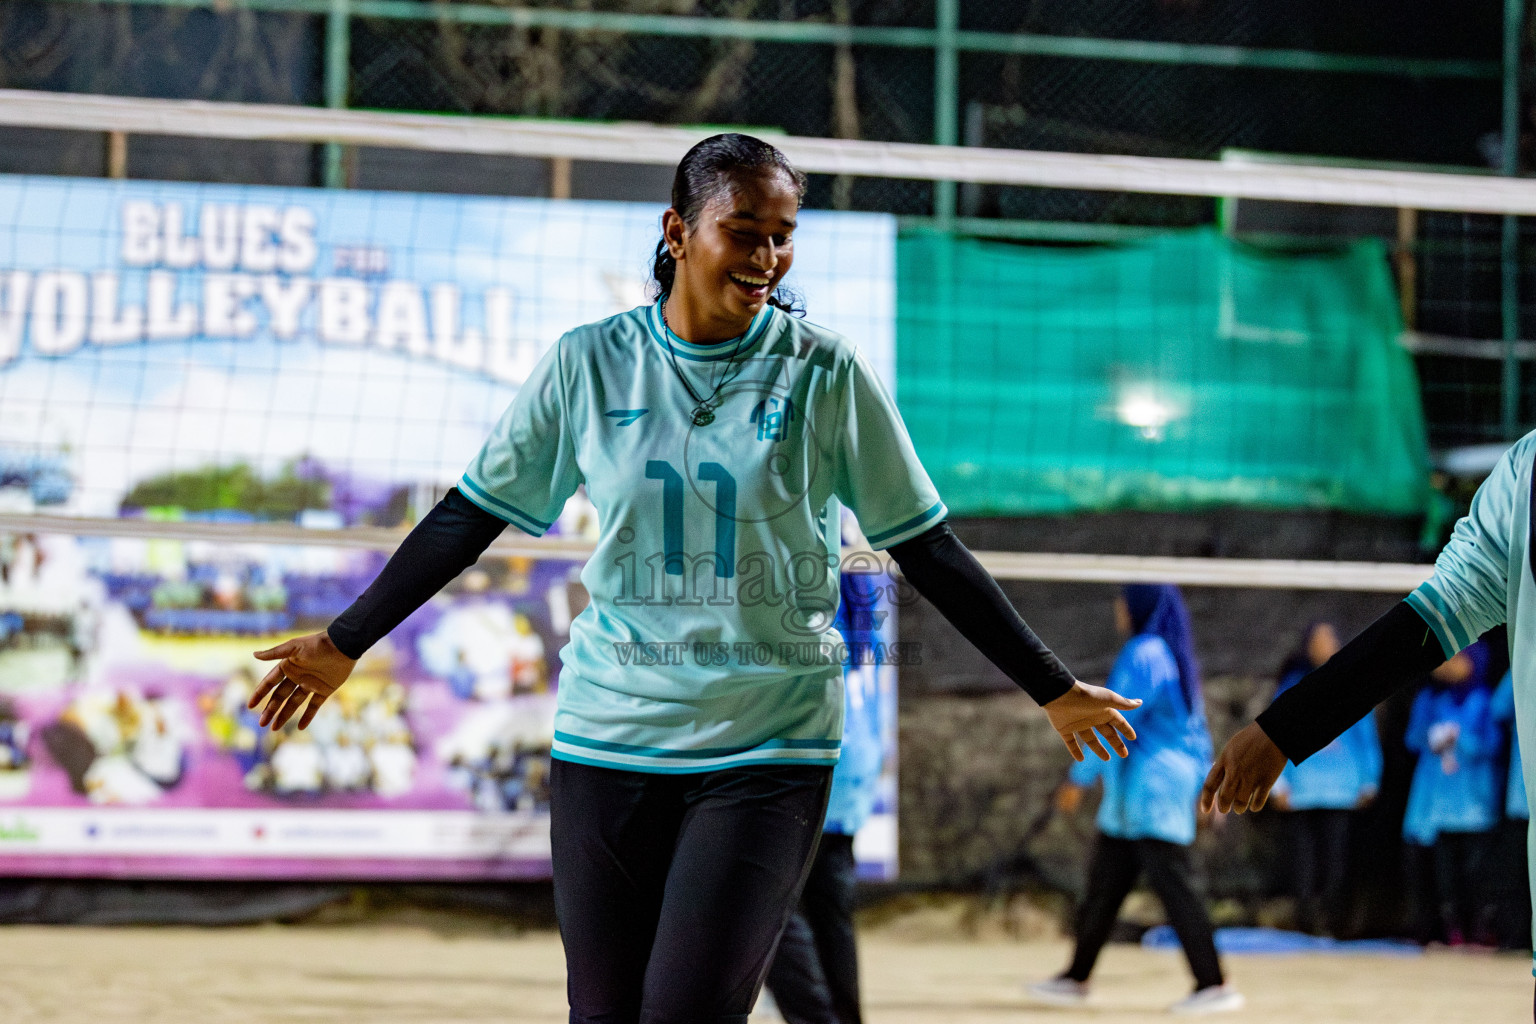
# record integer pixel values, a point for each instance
(1415, 81)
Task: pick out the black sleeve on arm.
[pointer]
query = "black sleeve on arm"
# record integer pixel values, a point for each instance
(945, 572)
(1394, 650)
(447, 541)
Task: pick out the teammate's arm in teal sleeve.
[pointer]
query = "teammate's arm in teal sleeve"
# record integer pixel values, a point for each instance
(1468, 594)
(1395, 650)
(1466, 597)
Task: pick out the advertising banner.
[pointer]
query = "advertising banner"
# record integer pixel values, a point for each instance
(181, 353)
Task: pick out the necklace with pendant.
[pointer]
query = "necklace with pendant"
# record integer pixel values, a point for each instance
(703, 408)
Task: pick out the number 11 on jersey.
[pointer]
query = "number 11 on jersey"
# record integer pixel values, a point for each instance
(672, 514)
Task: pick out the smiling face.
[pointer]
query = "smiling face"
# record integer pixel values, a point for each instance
(733, 257)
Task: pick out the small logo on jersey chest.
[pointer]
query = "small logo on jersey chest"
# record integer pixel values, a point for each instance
(626, 416)
(772, 417)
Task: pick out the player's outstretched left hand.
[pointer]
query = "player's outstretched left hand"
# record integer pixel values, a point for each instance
(1084, 713)
(1244, 773)
(309, 668)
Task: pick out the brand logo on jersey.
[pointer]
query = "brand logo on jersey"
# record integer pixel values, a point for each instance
(772, 416)
(626, 416)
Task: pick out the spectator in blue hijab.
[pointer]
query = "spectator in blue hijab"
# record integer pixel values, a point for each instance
(1323, 795)
(1146, 819)
(1453, 802)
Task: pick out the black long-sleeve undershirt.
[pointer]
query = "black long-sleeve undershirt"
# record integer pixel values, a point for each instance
(945, 572)
(1393, 651)
(456, 532)
(448, 540)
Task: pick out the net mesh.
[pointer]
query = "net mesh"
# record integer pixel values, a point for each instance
(1143, 107)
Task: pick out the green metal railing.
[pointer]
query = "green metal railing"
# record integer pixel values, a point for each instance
(946, 40)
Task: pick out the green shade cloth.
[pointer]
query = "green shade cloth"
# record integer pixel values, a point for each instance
(1180, 372)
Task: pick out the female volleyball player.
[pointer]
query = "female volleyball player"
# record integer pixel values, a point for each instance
(1483, 577)
(700, 704)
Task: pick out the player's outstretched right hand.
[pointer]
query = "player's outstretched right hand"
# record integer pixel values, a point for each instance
(1244, 773)
(1084, 713)
(309, 668)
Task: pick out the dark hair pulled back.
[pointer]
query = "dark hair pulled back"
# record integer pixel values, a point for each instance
(707, 172)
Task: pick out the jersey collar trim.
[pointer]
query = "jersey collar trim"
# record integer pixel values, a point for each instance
(707, 353)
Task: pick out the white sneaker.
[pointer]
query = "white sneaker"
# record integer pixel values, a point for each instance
(1216, 999)
(1059, 992)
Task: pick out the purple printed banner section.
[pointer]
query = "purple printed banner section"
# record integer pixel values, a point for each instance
(127, 749)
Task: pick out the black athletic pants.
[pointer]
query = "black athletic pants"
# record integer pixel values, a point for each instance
(1319, 856)
(1511, 886)
(1459, 858)
(815, 974)
(1113, 871)
(671, 890)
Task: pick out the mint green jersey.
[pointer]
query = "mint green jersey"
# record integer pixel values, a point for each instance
(1483, 578)
(708, 639)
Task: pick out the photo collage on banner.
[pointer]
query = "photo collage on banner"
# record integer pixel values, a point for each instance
(328, 360)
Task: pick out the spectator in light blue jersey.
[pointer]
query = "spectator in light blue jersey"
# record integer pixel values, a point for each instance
(1322, 795)
(1146, 819)
(1511, 902)
(815, 974)
(1516, 807)
(1453, 800)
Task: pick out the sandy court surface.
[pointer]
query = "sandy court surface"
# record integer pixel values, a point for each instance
(383, 975)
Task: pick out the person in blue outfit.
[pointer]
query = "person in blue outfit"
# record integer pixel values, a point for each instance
(1502, 706)
(815, 973)
(1512, 902)
(1323, 795)
(1454, 798)
(1146, 819)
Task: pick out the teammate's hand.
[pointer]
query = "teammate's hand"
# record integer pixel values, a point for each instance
(309, 668)
(1244, 773)
(1084, 713)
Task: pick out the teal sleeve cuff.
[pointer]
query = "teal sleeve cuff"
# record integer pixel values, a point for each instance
(1435, 612)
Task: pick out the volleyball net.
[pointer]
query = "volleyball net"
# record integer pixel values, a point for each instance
(231, 363)
(222, 405)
